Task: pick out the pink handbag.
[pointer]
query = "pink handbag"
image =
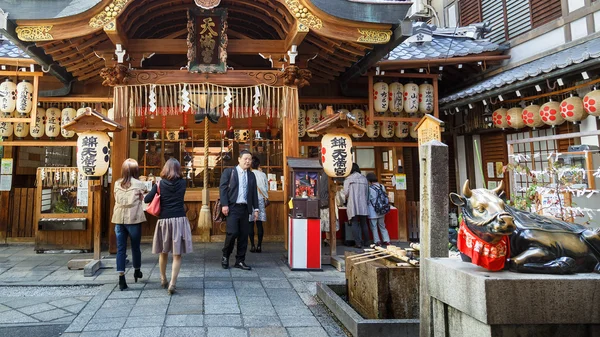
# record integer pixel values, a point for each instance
(154, 206)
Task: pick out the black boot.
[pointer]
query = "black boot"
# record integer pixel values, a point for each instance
(122, 282)
(252, 249)
(258, 248)
(137, 274)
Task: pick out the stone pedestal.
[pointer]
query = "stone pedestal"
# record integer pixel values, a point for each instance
(471, 301)
(382, 290)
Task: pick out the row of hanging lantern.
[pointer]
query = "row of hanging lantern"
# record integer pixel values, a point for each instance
(49, 122)
(396, 98)
(15, 101)
(572, 109)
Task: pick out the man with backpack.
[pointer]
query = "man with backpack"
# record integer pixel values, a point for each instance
(379, 206)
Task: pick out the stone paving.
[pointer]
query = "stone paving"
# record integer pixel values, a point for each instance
(269, 300)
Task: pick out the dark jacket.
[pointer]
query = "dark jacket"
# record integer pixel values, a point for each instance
(228, 190)
(171, 198)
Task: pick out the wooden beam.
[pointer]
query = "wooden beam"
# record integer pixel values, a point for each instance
(333, 100)
(39, 143)
(234, 77)
(296, 36)
(76, 99)
(355, 143)
(179, 46)
(116, 34)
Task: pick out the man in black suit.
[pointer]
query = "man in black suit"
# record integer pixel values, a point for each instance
(239, 198)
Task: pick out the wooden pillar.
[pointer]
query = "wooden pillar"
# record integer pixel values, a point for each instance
(5, 201)
(291, 148)
(96, 189)
(119, 152)
(332, 218)
(400, 201)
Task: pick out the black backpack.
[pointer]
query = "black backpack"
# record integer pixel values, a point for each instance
(382, 202)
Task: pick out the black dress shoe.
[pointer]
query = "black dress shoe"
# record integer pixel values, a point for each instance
(258, 249)
(242, 265)
(225, 262)
(252, 249)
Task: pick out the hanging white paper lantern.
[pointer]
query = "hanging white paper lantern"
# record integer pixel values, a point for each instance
(323, 114)
(411, 98)
(388, 128)
(301, 123)
(550, 113)
(396, 98)
(499, 118)
(373, 130)
(313, 116)
(21, 129)
(591, 103)
(335, 155)
(38, 129)
(8, 96)
(531, 116)
(67, 116)
(514, 118)
(52, 122)
(111, 115)
(380, 97)
(104, 111)
(360, 119)
(24, 97)
(6, 128)
(412, 130)
(571, 109)
(81, 110)
(426, 98)
(401, 129)
(93, 153)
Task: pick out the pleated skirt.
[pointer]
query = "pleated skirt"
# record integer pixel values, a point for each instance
(172, 235)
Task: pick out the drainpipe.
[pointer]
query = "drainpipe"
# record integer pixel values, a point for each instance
(7, 28)
(369, 60)
(593, 63)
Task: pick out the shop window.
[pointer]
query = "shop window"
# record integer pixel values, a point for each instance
(365, 158)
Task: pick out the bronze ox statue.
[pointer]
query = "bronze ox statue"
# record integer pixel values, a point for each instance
(537, 244)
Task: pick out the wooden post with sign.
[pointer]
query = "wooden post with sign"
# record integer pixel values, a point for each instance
(429, 128)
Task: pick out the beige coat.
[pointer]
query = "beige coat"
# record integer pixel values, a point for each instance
(129, 203)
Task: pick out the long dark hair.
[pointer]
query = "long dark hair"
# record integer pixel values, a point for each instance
(130, 169)
(355, 168)
(171, 170)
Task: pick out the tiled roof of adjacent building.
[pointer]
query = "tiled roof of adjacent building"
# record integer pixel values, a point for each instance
(9, 50)
(546, 64)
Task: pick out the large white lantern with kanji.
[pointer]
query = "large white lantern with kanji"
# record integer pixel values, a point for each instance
(81, 110)
(335, 155)
(373, 130)
(531, 116)
(24, 97)
(571, 109)
(514, 118)
(6, 128)
(52, 122)
(426, 98)
(93, 153)
(38, 129)
(380, 97)
(67, 116)
(21, 129)
(412, 130)
(313, 116)
(499, 118)
(388, 128)
(550, 113)
(301, 123)
(591, 103)
(396, 98)
(359, 114)
(411, 98)
(8, 96)
(401, 129)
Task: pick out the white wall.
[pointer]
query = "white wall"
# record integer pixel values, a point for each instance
(461, 162)
(540, 44)
(575, 4)
(578, 29)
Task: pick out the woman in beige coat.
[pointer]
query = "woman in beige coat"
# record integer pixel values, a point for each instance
(128, 216)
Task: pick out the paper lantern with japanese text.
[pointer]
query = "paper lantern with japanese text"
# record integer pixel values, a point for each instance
(93, 153)
(514, 118)
(21, 129)
(499, 118)
(301, 123)
(24, 97)
(80, 111)
(111, 115)
(373, 130)
(6, 128)
(313, 116)
(67, 116)
(38, 130)
(335, 155)
(531, 116)
(401, 129)
(426, 98)
(388, 128)
(103, 111)
(8, 96)
(396, 98)
(380, 97)
(411, 98)
(412, 130)
(591, 103)
(359, 114)
(550, 113)
(52, 122)
(571, 109)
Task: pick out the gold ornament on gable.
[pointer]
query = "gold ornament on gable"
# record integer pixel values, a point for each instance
(110, 12)
(34, 33)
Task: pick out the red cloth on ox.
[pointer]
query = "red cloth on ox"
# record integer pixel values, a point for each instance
(489, 256)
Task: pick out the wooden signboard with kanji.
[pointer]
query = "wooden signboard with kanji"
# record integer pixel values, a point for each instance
(207, 40)
(429, 128)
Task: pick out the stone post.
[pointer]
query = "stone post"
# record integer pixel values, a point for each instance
(434, 219)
